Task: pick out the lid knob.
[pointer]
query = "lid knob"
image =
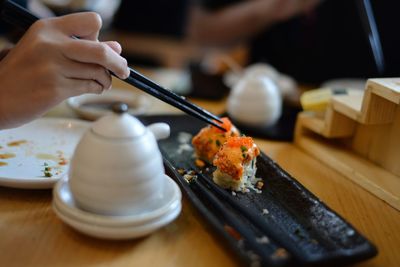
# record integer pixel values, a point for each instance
(119, 107)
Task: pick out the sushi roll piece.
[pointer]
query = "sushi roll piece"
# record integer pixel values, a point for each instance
(210, 139)
(236, 164)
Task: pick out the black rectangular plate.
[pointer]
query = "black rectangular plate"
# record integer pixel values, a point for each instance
(311, 232)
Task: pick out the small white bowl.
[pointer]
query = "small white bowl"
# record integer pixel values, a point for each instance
(92, 106)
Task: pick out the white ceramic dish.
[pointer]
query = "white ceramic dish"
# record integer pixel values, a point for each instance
(92, 106)
(345, 83)
(118, 233)
(65, 202)
(92, 224)
(46, 140)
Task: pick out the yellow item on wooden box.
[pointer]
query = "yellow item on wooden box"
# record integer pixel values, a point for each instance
(318, 99)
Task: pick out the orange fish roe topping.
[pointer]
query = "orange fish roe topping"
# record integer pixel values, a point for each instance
(210, 139)
(226, 124)
(240, 141)
(234, 154)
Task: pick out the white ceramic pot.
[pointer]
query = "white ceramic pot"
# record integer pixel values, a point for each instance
(255, 101)
(286, 84)
(117, 168)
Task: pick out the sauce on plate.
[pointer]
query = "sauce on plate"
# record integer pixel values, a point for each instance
(7, 156)
(17, 143)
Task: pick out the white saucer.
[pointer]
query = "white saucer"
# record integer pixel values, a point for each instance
(66, 203)
(92, 106)
(119, 232)
(116, 227)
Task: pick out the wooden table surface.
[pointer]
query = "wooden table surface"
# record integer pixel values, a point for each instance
(32, 235)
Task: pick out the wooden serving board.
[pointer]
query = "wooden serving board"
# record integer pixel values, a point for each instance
(359, 136)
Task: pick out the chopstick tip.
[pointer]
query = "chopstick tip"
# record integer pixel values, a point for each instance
(218, 125)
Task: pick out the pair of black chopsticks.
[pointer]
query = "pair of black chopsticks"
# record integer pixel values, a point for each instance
(220, 199)
(18, 16)
(245, 232)
(213, 195)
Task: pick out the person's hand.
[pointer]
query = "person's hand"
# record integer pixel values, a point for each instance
(47, 66)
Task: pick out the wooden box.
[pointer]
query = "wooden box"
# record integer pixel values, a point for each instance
(359, 136)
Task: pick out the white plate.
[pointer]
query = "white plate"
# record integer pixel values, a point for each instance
(46, 140)
(92, 106)
(64, 201)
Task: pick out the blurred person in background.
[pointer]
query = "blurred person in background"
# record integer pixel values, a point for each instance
(311, 40)
(154, 17)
